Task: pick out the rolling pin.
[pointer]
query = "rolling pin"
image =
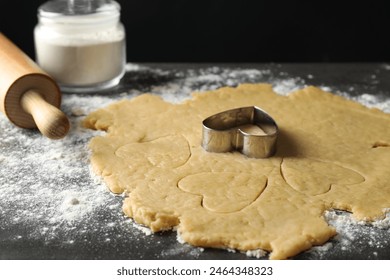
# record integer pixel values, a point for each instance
(29, 97)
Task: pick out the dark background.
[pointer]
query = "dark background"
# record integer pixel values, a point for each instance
(235, 31)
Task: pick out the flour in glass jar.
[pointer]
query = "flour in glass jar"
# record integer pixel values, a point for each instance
(81, 44)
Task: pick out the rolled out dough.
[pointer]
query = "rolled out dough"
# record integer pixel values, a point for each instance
(331, 153)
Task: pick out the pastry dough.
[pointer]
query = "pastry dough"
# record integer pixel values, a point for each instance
(331, 153)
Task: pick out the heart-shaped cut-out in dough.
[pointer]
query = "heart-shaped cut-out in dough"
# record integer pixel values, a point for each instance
(175, 153)
(225, 192)
(315, 177)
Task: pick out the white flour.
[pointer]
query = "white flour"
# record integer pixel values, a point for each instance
(48, 193)
(81, 65)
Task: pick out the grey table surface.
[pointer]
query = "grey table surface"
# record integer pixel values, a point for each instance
(41, 179)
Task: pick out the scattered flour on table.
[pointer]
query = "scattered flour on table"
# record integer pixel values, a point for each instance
(374, 101)
(215, 77)
(147, 231)
(353, 234)
(47, 190)
(256, 253)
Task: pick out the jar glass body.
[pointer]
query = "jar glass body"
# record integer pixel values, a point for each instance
(83, 52)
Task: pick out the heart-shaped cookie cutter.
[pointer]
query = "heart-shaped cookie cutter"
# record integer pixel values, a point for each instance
(250, 130)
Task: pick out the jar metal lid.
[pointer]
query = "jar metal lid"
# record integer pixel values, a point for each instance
(60, 8)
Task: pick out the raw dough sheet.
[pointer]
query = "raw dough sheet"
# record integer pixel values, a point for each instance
(332, 153)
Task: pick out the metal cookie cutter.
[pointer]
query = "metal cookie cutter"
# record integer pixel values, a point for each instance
(249, 130)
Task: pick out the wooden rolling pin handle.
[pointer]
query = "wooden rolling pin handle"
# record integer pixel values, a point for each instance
(51, 121)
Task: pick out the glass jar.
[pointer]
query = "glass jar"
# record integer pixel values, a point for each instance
(81, 43)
